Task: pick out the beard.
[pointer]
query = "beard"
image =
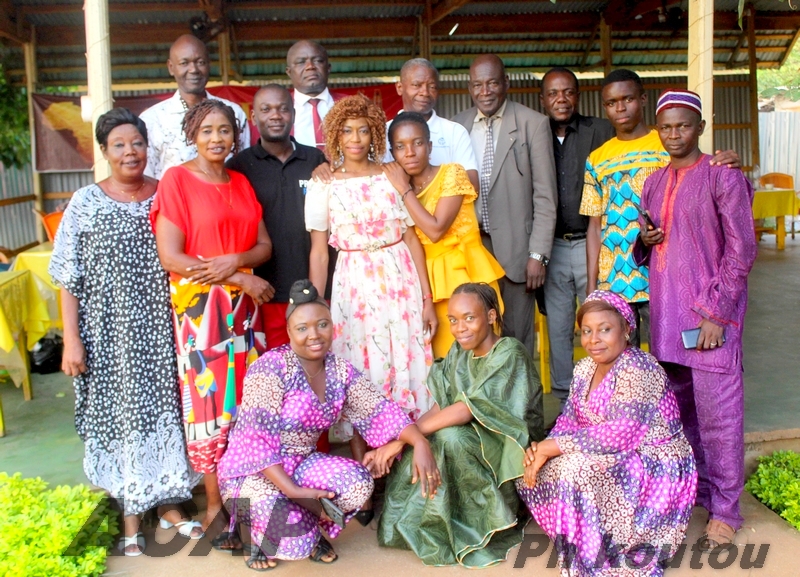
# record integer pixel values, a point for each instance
(277, 137)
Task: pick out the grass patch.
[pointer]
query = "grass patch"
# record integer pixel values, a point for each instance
(61, 532)
(776, 483)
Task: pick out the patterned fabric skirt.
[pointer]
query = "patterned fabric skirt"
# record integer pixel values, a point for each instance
(471, 522)
(284, 529)
(615, 514)
(219, 334)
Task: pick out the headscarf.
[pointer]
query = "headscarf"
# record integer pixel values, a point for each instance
(301, 293)
(616, 301)
(679, 99)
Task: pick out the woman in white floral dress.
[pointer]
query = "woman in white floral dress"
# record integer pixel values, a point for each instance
(380, 292)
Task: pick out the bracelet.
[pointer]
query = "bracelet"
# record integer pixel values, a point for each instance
(403, 196)
(426, 297)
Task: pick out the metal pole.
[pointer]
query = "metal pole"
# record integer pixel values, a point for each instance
(701, 64)
(98, 72)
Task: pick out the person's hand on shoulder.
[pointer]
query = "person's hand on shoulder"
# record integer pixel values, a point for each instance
(729, 158)
(323, 173)
(398, 177)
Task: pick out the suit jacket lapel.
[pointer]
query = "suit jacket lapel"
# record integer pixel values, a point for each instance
(505, 139)
(470, 120)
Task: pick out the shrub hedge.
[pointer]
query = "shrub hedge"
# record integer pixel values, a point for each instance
(61, 532)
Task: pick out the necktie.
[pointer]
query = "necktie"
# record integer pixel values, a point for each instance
(319, 137)
(486, 173)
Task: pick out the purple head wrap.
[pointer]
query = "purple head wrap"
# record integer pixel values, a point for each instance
(617, 302)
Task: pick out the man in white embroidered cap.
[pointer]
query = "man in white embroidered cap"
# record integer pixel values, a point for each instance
(697, 240)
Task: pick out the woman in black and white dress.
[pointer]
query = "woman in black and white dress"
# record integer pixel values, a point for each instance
(118, 337)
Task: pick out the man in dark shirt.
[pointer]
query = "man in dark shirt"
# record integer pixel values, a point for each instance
(278, 168)
(574, 137)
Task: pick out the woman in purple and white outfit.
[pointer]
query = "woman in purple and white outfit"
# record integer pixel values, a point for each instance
(614, 483)
(271, 468)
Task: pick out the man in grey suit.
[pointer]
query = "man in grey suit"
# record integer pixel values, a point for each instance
(517, 202)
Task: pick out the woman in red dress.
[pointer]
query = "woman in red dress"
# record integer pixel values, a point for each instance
(210, 235)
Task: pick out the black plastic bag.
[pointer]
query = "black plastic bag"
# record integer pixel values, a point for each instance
(46, 355)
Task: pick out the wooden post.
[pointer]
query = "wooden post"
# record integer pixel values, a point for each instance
(753, 61)
(425, 32)
(605, 46)
(701, 64)
(98, 72)
(224, 47)
(29, 52)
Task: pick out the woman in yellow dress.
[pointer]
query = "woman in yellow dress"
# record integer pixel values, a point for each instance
(442, 209)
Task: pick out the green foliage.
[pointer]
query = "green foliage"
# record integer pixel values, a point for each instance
(61, 532)
(783, 81)
(15, 138)
(776, 483)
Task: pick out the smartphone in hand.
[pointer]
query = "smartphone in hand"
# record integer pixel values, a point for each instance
(332, 511)
(646, 217)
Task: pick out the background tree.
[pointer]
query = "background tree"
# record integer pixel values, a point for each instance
(783, 82)
(15, 138)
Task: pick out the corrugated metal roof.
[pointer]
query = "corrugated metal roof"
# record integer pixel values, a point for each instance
(264, 59)
(510, 8)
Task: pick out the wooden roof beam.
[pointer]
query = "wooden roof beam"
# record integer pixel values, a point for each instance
(789, 48)
(444, 8)
(577, 22)
(13, 27)
(27, 9)
(735, 52)
(166, 33)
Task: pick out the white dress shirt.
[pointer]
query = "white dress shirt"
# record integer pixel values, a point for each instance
(478, 134)
(451, 143)
(166, 145)
(303, 115)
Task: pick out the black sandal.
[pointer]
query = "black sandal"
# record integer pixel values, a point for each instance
(258, 557)
(323, 548)
(218, 542)
(365, 516)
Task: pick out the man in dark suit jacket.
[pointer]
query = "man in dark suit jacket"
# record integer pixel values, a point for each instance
(517, 201)
(308, 68)
(574, 137)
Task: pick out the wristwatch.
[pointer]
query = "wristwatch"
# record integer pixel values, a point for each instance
(540, 257)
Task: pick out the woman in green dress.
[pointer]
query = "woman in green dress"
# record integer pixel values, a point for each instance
(488, 409)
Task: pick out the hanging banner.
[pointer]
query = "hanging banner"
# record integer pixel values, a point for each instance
(64, 142)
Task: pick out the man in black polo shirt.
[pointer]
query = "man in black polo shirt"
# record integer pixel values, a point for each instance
(574, 137)
(278, 168)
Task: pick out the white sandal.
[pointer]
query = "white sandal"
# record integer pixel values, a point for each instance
(137, 539)
(185, 527)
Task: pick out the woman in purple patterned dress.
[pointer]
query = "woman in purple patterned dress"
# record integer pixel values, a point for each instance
(614, 483)
(271, 468)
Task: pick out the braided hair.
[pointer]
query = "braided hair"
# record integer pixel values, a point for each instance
(195, 116)
(488, 297)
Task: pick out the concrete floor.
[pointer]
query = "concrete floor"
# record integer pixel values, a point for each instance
(41, 441)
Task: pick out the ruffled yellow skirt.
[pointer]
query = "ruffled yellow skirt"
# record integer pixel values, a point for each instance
(452, 262)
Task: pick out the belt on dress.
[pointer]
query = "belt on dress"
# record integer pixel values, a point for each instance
(573, 236)
(372, 247)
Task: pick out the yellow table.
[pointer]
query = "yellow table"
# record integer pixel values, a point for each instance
(22, 312)
(777, 203)
(37, 260)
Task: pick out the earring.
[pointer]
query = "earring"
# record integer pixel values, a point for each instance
(371, 152)
(628, 337)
